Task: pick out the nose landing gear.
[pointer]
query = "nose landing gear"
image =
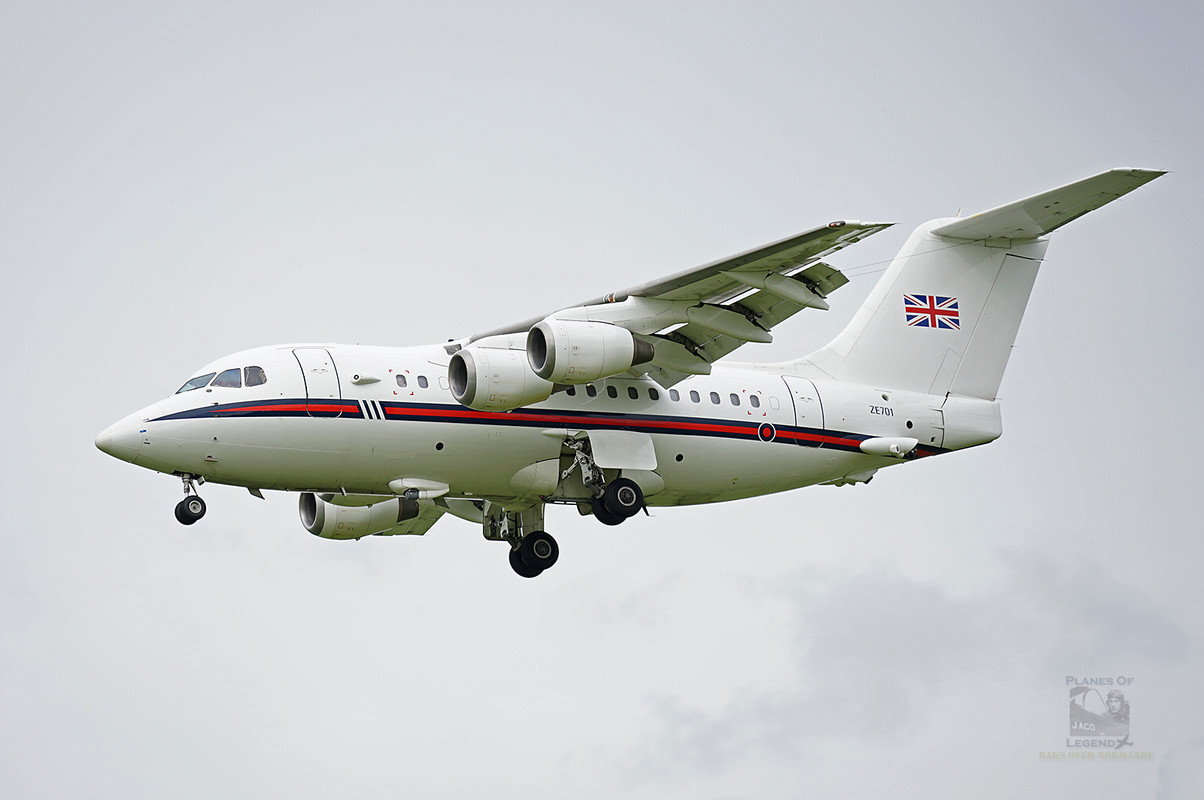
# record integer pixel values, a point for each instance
(192, 507)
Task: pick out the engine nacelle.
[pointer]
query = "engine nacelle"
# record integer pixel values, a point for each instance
(354, 522)
(495, 379)
(577, 351)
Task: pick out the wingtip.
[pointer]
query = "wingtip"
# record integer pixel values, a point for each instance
(1138, 172)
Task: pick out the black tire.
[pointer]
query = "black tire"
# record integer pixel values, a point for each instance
(604, 514)
(190, 509)
(623, 497)
(521, 567)
(539, 550)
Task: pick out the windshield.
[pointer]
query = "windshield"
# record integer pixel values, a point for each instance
(196, 383)
(229, 379)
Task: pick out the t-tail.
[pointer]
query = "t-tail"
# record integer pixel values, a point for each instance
(944, 316)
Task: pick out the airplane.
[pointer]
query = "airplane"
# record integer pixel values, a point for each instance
(623, 402)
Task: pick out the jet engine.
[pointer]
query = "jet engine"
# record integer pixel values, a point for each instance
(577, 351)
(343, 522)
(495, 379)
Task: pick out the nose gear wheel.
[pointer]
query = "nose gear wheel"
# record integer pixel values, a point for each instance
(192, 507)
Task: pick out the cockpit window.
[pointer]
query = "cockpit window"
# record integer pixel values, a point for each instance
(255, 376)
(230, 379)
(198, 382)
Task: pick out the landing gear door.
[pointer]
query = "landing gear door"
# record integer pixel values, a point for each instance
(622, 449)
(321, 380)
(808, 410)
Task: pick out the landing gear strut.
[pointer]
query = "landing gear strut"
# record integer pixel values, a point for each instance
(192, 507)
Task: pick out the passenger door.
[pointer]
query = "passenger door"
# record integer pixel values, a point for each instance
(808, 412)
(321, 381)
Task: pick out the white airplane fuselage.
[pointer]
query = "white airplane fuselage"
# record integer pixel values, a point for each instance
(346, 426)
(624, 401)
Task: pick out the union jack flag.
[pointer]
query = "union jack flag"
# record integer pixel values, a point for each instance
(931, 311)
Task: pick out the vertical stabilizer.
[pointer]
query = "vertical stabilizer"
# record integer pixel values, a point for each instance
(944, 316)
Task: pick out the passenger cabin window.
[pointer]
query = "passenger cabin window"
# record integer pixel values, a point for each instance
(254, 376)
(591, 390)
(422, 381)
(612, 391)
(754, 400)
(674, 395)
(735, 399)
(653, 394)
(715, 398)
(694, 396)
(401, 381)
(198, 382)
(571, 391)
(633, 393)
(229, 379)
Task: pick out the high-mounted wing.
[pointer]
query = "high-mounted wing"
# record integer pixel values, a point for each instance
(670, 328)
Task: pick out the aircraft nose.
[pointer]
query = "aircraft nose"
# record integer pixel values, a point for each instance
(121, 439)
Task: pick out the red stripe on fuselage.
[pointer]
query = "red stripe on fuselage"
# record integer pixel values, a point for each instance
(307, 407)
(578, 422)
(800, 436)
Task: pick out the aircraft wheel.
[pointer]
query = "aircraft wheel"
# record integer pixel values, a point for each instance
(539, 549)
(190, 509)
(604, 514)
(623, 497)
(521, 567)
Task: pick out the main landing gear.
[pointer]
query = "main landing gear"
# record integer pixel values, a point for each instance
(532, 550)
(535, 552)
(612, 502)
(622, 499)
(192, 507)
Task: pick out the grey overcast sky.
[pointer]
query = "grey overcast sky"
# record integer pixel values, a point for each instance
(183, 180)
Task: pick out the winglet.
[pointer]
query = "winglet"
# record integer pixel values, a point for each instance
(1042, 213)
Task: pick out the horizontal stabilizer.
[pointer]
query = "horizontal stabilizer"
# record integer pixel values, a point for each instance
(1038, 215)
